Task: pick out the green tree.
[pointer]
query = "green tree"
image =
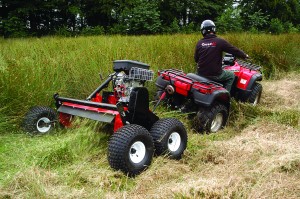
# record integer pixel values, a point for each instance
(14, 27)
(142, 18)
(190, 13)
(229, 21)
(289, 27)
(38, 17)
(256, 21)
(12, 22)
(169, 12)
(98, 12)
(200, 10)
(284, 10)
(276, 27)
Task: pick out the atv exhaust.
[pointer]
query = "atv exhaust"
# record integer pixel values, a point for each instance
(170, 89)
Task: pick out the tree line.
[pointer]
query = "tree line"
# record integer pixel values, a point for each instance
(21, 18)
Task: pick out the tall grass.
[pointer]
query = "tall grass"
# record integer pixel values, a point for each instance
(277, 54)
(32, 70)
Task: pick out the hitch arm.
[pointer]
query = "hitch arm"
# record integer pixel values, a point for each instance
(102, 86)
(159, 100)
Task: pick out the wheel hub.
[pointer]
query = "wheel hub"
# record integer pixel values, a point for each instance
(137, 152)
(256, 100)
(174, 141)
(43, 125)
(217, 123)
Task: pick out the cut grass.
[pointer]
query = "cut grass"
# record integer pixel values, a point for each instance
(256, 159)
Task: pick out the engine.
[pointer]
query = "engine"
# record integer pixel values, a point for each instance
(124, 83)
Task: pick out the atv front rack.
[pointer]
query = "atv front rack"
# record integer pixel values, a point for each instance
(248, 65)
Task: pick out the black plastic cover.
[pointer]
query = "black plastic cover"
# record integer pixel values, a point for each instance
(126, 65)
(161, 83)
(138, 108)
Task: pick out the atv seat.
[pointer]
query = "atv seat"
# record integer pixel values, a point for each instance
(201, 78)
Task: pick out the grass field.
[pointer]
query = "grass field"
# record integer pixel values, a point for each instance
(255, 156)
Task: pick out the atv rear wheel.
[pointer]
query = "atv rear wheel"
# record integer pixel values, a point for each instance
(130, 149)
(211, 119)
(39, 120)
(170, 137)
(255, 94)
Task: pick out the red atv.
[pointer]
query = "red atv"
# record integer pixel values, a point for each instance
(138, 131)
(207, 101)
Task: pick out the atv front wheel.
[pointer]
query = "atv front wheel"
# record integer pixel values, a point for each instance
(39, 120)
(170, 137)
(255, 94)
(130, 149)
(211, 119)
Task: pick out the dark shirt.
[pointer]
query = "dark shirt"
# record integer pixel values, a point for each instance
(208, 54)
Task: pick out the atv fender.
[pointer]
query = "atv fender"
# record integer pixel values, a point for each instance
(202, 99)
(161, 83)
(246, 80)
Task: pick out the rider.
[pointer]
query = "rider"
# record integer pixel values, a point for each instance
(208, 55)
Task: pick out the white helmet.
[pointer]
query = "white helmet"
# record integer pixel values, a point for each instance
(208, 26)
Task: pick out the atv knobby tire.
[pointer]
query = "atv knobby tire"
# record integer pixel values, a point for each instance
(170, 137)
(39, 120)
(211, 119)
(130, 149)
(255, 94)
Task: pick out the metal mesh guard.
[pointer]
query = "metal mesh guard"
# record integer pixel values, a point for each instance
(141, 74)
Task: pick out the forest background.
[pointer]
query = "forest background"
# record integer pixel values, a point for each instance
(135, 17)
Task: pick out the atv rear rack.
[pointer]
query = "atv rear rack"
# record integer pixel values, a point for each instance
(179, 73)
(183, 83)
